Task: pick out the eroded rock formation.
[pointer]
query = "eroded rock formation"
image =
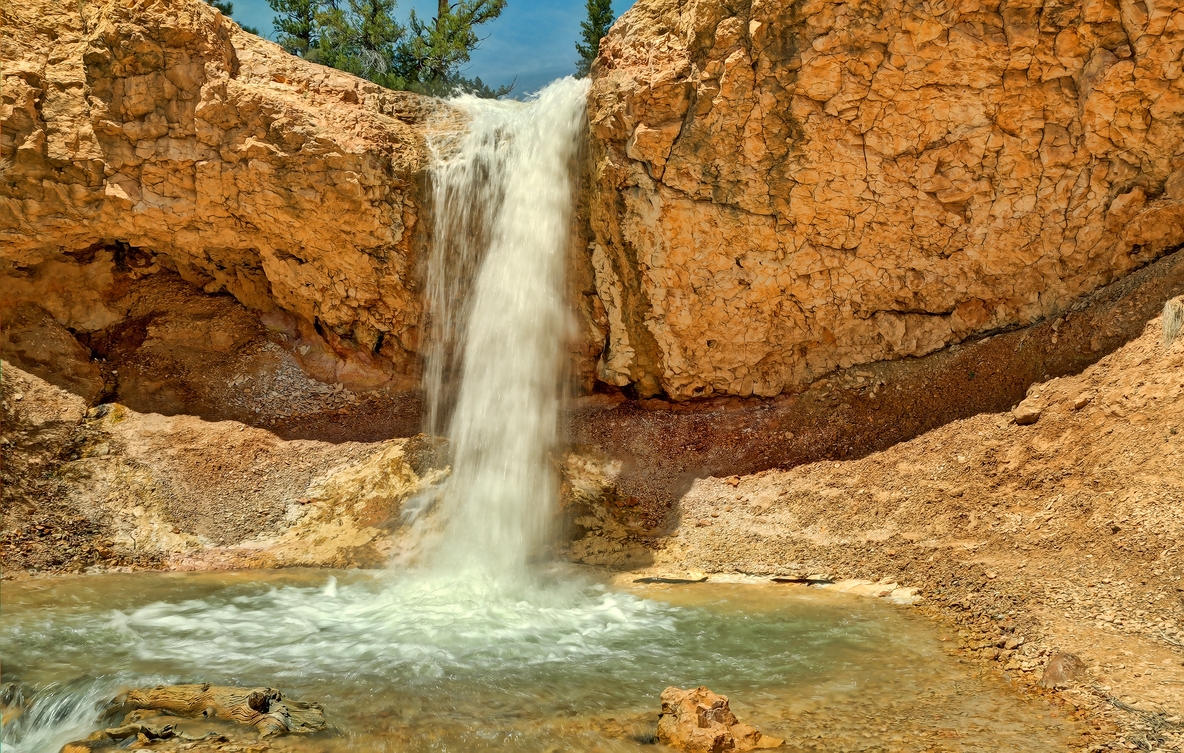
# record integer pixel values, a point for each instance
(111, 487)
(781, 189)
(149, 135)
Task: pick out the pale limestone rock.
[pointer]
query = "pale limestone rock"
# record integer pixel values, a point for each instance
(782, 190)
(194, 494)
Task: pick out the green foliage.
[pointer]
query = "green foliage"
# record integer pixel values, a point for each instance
(363, 38)
(435, 51)
(296, 24)
(600, 19)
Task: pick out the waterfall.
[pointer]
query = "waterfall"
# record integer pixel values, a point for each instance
(502, 200)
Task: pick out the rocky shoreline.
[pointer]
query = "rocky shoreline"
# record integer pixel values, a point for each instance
(1025, 542)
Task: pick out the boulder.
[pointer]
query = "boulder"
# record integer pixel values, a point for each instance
(700, 721)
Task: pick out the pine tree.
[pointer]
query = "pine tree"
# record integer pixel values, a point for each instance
(435, 51)
(362, 40)
(296, 24)
(362, 37)
(600, 19)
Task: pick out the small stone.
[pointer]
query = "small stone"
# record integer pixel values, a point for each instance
(1061, 669)
(1026, 414)
(1081, 401)
(699, 721)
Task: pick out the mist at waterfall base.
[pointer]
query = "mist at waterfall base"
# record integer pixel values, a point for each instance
(477, 649)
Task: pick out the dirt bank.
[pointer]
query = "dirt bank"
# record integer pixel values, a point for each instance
(111, 488)
(1062, 535)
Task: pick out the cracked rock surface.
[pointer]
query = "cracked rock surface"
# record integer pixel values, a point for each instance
(783, 189)
(244, 170)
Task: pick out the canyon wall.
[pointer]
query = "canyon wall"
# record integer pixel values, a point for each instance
(781, 189)
(775, 191)
(151, 136)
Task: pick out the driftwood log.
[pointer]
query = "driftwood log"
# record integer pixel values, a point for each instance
(265, 709)
(144, 733)
(262, 708)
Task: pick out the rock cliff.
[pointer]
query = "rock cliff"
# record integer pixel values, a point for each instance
(147, 136)
(193, 222)
(781, 189)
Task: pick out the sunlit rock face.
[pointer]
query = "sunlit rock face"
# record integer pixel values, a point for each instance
(784, 188)
(163, 127)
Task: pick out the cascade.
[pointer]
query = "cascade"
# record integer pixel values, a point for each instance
(502, 201)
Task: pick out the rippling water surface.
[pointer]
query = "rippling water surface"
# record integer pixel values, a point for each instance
(464, 665)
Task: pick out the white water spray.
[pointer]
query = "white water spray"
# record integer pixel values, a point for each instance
(502, 198)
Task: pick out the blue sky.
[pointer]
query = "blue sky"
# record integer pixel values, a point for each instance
(533, 40)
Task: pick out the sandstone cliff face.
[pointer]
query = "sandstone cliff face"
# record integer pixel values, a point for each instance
(148, 135)
(784, 188)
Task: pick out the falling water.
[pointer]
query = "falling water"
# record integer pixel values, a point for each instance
(502, 197)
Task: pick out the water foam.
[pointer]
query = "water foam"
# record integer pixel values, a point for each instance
(381, 631)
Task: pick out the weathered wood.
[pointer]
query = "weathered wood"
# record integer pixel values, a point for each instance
(265, 709)
(262, 708)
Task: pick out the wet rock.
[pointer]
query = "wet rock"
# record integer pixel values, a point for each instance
(700, 721)
(1061, 669)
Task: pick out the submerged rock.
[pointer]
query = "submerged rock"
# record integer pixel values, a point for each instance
(700, 721)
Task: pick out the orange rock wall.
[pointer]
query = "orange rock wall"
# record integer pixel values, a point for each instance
(164, 127)
(784, 188)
